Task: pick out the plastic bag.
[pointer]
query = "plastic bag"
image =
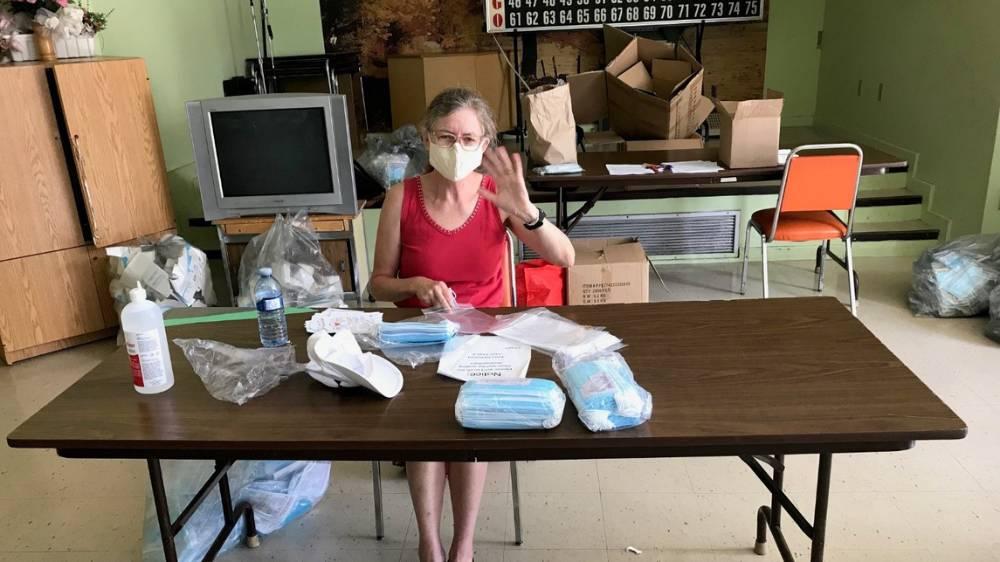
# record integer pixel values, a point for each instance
(391, 158)
(280, 492)
(290, 248)
(469, 319)
(550, 333)
(956, 279)
(539, 283)
(174, 273)
(510, 404)
(237, 374)
(992, 330)
(604, 391)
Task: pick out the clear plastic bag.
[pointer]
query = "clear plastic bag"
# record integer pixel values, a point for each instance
(550, 333)
(956, 279)
(236, 374)
(391, 158)
(604, 391)
(992, 330)
(415, 341)
(280, 492)
(510, 404)
(292, 251)
(469, 319)
(174, 273)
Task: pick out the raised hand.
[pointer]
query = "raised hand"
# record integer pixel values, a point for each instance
(512, 193)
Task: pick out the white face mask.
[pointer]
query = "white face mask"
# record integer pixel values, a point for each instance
(455, 163)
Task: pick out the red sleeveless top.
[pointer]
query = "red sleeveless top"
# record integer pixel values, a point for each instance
(469, 259)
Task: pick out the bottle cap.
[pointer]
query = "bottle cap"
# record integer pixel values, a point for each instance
(137, 294)
(264, 271)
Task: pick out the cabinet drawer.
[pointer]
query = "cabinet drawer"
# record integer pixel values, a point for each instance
(48, 297)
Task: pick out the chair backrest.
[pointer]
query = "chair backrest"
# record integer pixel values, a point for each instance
(826, 181)
(509, 271)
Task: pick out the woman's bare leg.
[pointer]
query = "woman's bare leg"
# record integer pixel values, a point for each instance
(466, 481)
(427, 492)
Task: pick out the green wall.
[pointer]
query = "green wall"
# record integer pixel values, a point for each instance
(297, 26)
(793, 57)
(940, 93)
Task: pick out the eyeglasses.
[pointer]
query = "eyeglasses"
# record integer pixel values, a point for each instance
(444, 139)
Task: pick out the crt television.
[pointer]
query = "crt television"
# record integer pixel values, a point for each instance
(273, 153)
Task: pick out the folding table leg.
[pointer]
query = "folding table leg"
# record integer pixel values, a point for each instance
(162, 510)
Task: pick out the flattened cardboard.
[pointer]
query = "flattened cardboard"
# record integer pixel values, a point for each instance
(607, 271)
(588, 91)
(669, 76)
(749, 132)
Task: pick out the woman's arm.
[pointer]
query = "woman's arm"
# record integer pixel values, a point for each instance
(385, 286)
(512, 199)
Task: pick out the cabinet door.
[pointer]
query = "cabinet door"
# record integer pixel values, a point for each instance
(116, 143)
(37, 210)
(48, 297)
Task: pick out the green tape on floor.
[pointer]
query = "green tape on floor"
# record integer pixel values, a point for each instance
(227, 317)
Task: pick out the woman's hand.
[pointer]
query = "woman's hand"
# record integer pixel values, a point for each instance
(512, 194)
(433, 293)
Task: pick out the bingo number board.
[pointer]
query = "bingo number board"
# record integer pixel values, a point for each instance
(537, 15)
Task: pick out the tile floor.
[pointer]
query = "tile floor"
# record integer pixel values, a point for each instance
(939, 501)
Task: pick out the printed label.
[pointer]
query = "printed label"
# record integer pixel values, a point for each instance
(267, 305)
(145, 358)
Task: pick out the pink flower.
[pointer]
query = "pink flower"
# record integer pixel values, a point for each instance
(62, 3)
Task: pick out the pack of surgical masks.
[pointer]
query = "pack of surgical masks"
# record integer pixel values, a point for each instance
(416, 333)
(510, 404)
(604, 391)
(550, 333)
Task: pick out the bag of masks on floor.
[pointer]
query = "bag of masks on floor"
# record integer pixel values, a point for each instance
(956, 279)
(292, 251)
(604, 391)
(992, 330)
(174, 273)
(510, 404)
(279, 491)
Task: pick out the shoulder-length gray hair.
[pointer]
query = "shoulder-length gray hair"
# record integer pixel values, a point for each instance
(453, 99)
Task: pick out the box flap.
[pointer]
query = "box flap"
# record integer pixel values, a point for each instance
(623, 60)
(668, 75)
(704, 109)
(608, 250)
(650, 49)
(749, 109)
(638, 77)
(615, 41)
(589, 94)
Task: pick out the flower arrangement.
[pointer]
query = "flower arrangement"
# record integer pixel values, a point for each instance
(54, 18)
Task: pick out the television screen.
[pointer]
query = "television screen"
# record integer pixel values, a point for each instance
(272, 152)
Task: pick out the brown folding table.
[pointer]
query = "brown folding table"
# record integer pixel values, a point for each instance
(758, 379)
(595, 183)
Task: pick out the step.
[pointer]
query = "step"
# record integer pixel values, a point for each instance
(888, 198)
(901, 230)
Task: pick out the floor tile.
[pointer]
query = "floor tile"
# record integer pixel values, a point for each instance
(515, 554)
(679, 521)
(554, 521)
(558, 476)
(653, 475)
(61, 524)
(676, 555)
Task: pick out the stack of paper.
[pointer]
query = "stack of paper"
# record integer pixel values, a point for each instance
(694, 167)
(628, 169)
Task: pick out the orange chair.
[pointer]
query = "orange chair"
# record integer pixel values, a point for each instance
(819, 179)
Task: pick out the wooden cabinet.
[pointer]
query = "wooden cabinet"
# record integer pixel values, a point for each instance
(37, 209)
(116, 144)
(82, 169)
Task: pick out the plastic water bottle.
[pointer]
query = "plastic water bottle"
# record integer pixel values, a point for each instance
(270, 310)
(146, 344)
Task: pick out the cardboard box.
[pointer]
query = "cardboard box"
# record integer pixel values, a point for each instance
(749, 131)
(654, 88)
(694, 141)
(414, 80)
(603, 141)
(608, 271)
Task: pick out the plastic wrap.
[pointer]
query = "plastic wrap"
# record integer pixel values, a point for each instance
(550, 333)
(469, 319)
(174, 273)
(236, 374)
(391, 158)
(280, 492)
(992, 330)
(956, 279)
(292, 251)
(510, 404)
(604, 391)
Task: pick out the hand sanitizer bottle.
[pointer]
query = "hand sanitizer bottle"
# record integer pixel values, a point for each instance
(146, 343)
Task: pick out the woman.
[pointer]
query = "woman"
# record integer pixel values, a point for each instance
(441, 240)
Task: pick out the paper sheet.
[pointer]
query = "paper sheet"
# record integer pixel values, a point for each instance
(694, 167)
(484, 357)
(628, 169)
